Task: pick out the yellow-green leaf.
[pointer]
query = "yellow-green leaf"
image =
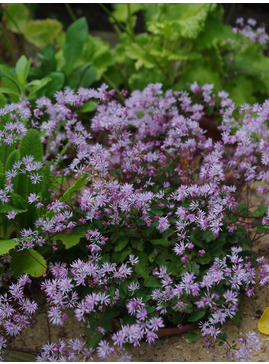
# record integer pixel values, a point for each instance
(42, 32)
(7, 245)
(263, 324)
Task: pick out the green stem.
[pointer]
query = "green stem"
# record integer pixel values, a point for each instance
(130, 19)
(231, 10)
(70, 12)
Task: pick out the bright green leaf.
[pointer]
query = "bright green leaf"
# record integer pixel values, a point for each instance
(74, 188)
(22, 69)
(17, 16)
(42, 32)
(7, 245)
(71, 239)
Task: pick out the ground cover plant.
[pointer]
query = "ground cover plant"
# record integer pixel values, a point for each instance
(121, 206)
(152, 215)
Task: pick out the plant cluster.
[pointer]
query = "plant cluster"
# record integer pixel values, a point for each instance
(146, 202)
(182, 43)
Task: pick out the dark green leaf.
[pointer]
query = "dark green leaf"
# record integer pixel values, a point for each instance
(163, 242)
(75, 37)
(196, 316)
(30, 262)
(192, 336)
(121, 243)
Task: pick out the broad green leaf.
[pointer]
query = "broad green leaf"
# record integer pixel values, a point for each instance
(196, 316)
(31, 145)
(74, 188)
(9, 91)
(22, 69)
(48, 58)
(18, 201)
(17, 16)
(8, 73)
(37, 85)
(192, 336)
(119, 257)
(83, 77)
(5, 151)
(12, 158)
(179, 20)
(29, 262)
(121, 243)
(7, 245)
(6, 208)
(56, 83)
(75, 37)
(141, 267)
(71, 239)
(88, 107)
(153, 282)
(42, 32)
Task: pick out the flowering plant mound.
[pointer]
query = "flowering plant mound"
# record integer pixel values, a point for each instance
(129, 212)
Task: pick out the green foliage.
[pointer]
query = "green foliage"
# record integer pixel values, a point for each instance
(14, 82)
(80, 182)
(71, 239)
(31, 145)
(74, 41)
(30, 262)
(37, 32)
(42, 32)
(192, 336)
(7, 245)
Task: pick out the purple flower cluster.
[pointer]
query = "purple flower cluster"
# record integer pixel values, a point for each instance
(249, 31)
(148, 166)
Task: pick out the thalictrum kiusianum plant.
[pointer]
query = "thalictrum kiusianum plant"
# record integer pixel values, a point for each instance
(130, 212)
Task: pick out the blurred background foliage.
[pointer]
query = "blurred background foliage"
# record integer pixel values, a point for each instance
(128, 46)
